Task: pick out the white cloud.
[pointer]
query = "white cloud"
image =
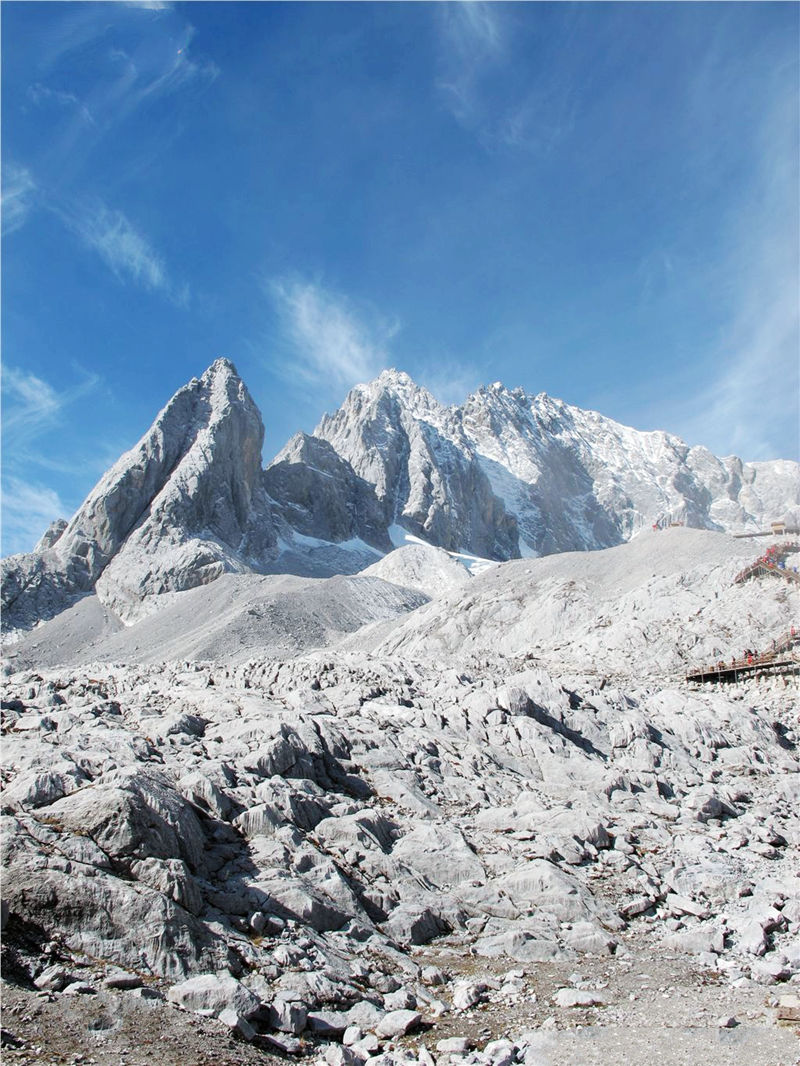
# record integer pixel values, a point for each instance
(32, 408)
(18, 190)
(123, 248)
(752, 405)
(331, 342)
(31, 405)
(27, 510)
(27, 400)
(126, 251)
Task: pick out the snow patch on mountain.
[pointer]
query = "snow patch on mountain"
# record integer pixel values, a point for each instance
(504, 476)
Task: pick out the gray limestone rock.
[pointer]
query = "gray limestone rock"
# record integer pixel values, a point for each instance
(577, 997)
(321, 496)
(398, 1023)
(185, 505)
(212, 994)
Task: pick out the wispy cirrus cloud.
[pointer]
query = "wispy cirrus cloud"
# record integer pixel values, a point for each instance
(472, 42)
(43, 96)
(28, 508)
(122, 247)
(139, 53)
(32, 406)
(150, 5)
(751, 402)
(145, 74)
(34, 413)
(332, 342)
(18, 194)
(505, 104)
(27, 400)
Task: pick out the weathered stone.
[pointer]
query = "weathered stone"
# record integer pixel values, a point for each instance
(337, 1055)
(52, 979)
(79, 988)
(210, 994)
(455, 1045)
(788, 1009)
(467, 994)
(328, 1023)
(288, 1017)
(121, 979)
(578, 997)
(398, 1023)
(236, 1023)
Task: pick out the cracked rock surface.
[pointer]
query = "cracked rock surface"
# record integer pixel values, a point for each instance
(357, 856)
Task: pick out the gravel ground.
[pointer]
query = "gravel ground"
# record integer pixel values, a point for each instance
(660, 1011)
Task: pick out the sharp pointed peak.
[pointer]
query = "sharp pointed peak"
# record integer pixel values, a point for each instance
(391, 374)
(223, 366)
(399, 384)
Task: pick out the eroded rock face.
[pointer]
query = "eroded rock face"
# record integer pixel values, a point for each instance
(509, 474)
(321, 495)
(398, 438)
(297, 823)
(185, 505)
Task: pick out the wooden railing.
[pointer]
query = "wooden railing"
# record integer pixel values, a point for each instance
(770, 563)
(780, 658)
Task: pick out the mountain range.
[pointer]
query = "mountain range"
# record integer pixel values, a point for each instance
(503, 476)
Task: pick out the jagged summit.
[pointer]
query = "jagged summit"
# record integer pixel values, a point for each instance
(501, 476)
(391, 376)
(181, 507)
(392, 386)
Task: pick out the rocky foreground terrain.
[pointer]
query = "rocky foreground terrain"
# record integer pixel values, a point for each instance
(492, 826)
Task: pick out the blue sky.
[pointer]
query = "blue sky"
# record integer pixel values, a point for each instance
(598, 201)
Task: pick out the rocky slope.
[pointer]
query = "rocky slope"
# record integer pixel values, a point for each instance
(289, 843)
(656, 607)
(238, 617)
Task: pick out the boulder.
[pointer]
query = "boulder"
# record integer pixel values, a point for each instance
(211, 994)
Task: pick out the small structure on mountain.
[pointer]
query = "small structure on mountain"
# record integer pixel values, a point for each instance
(666, 521)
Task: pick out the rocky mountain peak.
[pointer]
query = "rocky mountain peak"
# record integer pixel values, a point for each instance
(391, 391)
(182, 506)
(503, 475)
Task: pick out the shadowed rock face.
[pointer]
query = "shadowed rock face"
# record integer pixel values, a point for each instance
(428, 479)
(322, 496)
(183, 506)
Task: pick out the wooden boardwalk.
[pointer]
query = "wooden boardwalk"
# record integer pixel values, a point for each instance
(782, 658)
(772, 562)
(742, 669)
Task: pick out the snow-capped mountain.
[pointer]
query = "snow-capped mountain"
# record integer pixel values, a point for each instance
(508, 474)
(426, 473)
(504, 475)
